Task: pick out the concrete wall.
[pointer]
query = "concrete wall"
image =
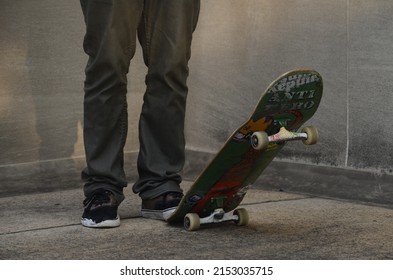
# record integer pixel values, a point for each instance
(239, 48)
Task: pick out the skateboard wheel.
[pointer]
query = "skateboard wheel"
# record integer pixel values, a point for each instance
(192, 222)
(242, 215)
(259, 140)
(312, 135)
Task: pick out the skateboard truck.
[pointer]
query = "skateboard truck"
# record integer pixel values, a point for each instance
(260, 139)
(192, 221)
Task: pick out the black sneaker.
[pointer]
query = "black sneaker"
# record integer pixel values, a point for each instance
(100, 210)
(161, 207)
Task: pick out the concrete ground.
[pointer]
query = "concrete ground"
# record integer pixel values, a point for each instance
(282, 226)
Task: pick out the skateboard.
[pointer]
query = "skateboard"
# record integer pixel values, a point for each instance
(290, 101)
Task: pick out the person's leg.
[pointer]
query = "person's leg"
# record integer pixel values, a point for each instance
(110, 40)
(165, 35)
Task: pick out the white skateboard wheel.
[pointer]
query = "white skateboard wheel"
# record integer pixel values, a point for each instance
(259, 140)
(312, 135)
(192, 222)
(242, 215)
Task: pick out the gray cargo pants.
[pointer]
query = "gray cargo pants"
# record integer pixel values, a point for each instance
(164, 29)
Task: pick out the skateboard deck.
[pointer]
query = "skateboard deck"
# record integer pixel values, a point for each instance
(289, 102)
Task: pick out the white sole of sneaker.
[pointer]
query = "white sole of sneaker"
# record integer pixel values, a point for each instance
(158, 214)
(104, 224)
